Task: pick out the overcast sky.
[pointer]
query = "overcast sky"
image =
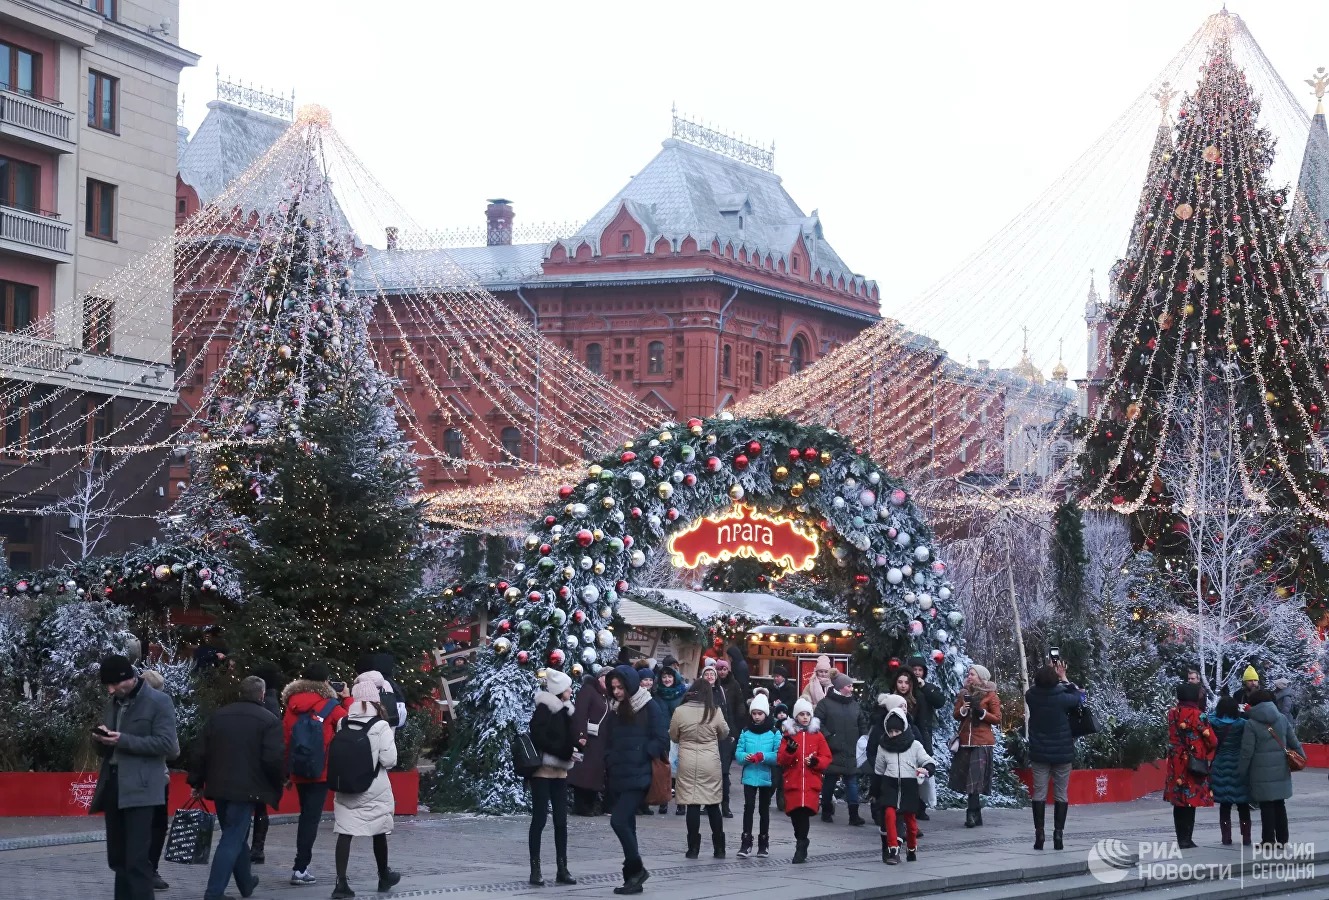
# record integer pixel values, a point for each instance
(916, 129)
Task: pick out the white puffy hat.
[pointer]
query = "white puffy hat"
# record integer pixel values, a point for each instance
(802, 705)
(557, 682)
(760, 704)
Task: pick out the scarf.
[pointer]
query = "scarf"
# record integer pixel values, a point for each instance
(637, 701)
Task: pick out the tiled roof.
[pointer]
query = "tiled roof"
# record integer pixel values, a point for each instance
(230, 140)
(1313, 182)
(687, 191)
(412, 270)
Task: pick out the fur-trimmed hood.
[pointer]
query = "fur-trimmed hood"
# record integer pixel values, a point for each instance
(303, 686)
(552, 703)
(791, 727)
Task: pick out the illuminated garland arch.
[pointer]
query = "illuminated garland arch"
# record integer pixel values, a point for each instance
(581, 556)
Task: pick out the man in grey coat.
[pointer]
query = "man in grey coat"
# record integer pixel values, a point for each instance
(135, 738)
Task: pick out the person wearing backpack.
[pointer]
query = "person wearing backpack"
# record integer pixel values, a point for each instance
(312, 712)
(359, 757)
(378, 667)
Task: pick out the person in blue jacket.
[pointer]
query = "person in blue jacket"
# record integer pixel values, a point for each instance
(637, 734)
(1224, 774)
(756, 750)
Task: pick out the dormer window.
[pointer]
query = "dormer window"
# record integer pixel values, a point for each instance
(625, 241)
(795, 263)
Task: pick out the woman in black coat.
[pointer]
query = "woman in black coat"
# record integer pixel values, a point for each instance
(635, 733)
(588, 775)
(551, 733)
(1048, 705)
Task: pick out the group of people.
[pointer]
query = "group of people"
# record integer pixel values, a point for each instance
(792, 748)
(1238, 754)
(315, 733)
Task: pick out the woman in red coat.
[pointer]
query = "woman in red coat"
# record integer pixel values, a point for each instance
(1188, 737)
(804, 756)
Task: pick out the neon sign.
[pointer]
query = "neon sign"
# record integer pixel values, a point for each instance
(742, 531)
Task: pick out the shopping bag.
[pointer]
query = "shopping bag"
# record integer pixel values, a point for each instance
(927, 793)
(190, 839)
(659, 790)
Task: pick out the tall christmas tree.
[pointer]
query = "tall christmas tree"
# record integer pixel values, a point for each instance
(1215, 289)
(302, 479)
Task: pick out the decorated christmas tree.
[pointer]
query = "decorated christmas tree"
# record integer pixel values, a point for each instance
(302, 480)
(875, 555)
(1216, 289)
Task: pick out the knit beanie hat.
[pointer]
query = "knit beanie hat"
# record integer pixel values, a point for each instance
(316, 671)
(802, 705)
(841, 681)
(374, 677)
(365, 690)
(889, 702)
(1188, 693)
(557, 682)
(760, 704)
(708, 663)
(1250, 674)
(115, 669)
(823, 662)
(981, 672)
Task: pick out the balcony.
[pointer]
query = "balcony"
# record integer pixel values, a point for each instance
(33, 234)
(36, 122)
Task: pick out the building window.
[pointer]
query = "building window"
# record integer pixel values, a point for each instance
(625, 241)
(17, 304)
(105, 7)
(20, 70)
(452, 443)
(796, 266)
(727, 361)
(798, 355)
(20, 184)
(180, 205)
(655, 358)
(511, 439)
(97, 418)
(101, 210)
(758, 365)
(20, 537)
(594, 358)
(399, 364)
(98, 317)
(103, 92)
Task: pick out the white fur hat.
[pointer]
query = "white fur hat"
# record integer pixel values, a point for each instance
(889, 702)
(760, 704)
(802, 705)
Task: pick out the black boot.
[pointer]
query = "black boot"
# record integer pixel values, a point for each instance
(387, 880)
(724, 810)
(681, 811)
(536, 878)
(694, 846)
(260, 838)
(745, 846)
(1040, 815)
(342, 891)
(563, 876)
(634, 875)
(801, 850)
(890, 853)
(763, 846)
(1059, 810)
(1186, 841)
(971, 819)
(911, 856)
(717, 844)
(853, 815)
(922, 815)
(828, 811)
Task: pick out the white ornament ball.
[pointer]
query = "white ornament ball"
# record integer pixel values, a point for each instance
(920, 578)
(921, 553)
(572, 642)
(910, 597)
(894, 576)
(944, 593)
(605, 638)
(874, 478)
(654, 520)
(925, 601)
(903, 539)
(941, 635)
(955, 618)
(590, 593)
(907, 570)
(519, 568)
(915, 628)
(838, 503)
(578, 510)
(617, 515)
(638, 559)
(586, 562)
(867, 498)
(637, 480)
(677, 477)
(588, 636)
(726, 416)
(736, 491)
(588, 657)
(839, 551)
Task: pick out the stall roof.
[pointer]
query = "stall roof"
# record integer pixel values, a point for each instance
(638, 615)
(754, 605)
(801, 629)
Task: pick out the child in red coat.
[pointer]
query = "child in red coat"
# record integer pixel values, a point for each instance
(804, 755)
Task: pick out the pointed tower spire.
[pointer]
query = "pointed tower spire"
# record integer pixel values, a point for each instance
(1059, 371)
(1313, 182)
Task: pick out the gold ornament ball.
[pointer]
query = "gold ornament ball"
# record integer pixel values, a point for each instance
(607, 502)
(532, 542)
(665, 490)
(711, 439)
(1189, 309)
(665, 437)
(598, 568)
(825, 458)
(796, 489)
(568, 572)
(696, 430)
(736, 491)
(599, 535)
(781, 473)
(813, 479)
(628, 445)
(595, 471)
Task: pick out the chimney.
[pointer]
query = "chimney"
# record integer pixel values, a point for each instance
(499, 216)
(392, 237)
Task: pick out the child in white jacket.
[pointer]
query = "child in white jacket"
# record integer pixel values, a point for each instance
(900, 766)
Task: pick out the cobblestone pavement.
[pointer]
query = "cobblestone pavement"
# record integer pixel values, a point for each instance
(451, 854)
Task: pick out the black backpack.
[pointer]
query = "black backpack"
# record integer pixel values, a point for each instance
(388, 699)
(352, 765)
(306, 751)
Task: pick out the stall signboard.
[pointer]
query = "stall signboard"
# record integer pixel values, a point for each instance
(741, 531)
(807, 666)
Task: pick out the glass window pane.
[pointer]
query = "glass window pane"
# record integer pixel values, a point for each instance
(92, 99)
(25, 186)
(22, 307)
(106, 210)
(108, 104)
(27, 72)
(6, 60)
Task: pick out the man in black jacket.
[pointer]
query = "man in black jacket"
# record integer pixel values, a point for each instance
(239, 766)
(934, 700)
(782, 689)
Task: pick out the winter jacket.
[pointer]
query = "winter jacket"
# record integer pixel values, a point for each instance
(1048, 710)
(631, 743)
(895, 768)
(803, 755)
(741, 671)
(931, 699)
(1225, 777)
(783, 693)
(1188, 735)
(241, 755)
(842, 723)
(1285, 698)
(591, 713)
(551, 733)
(1263, 764)
(699, 773)
(670, 698)
(370, 813)
(146, 722)
(729, 698)
(978, 732)
(815, 692)
(299, 697)
(765, 742)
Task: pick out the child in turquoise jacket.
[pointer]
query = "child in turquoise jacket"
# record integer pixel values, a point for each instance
(756, 750)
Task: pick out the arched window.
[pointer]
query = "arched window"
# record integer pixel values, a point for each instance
(399, 364)
(655, 358)
(511, 439)
(726, 361)
(758, 364)
(594, 358)
(798, 355)
(452, 443)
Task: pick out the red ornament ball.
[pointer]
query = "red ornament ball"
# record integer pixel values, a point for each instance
(636, 512)
(938, 656)
(695, 423)
(754, 447)
(732, 621)
(585, 537)
(504, 625)
(523, 657)
(621, 586)
(740, 462)
(689, 479)
(810, 454)
(713, 464)
(545, 549)
(628, 541)
(795, 455)
(671, 514)
(564, 593)
(657, 461)
(565, 492)
(578, 616)
(549, 521)
(627, 456)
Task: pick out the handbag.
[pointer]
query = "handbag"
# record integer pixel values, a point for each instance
(658, 793)
(189, 842)
(1197, 766)
(593, 728)
(1295, 761)
(954, 745)
(1082, 721)
(525, 758)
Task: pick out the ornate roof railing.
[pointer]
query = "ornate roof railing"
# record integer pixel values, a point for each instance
(257, 99)
(727, 145)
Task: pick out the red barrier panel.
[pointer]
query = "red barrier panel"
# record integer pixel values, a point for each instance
(70, 793)
(1317, 755)
(1107, 785)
